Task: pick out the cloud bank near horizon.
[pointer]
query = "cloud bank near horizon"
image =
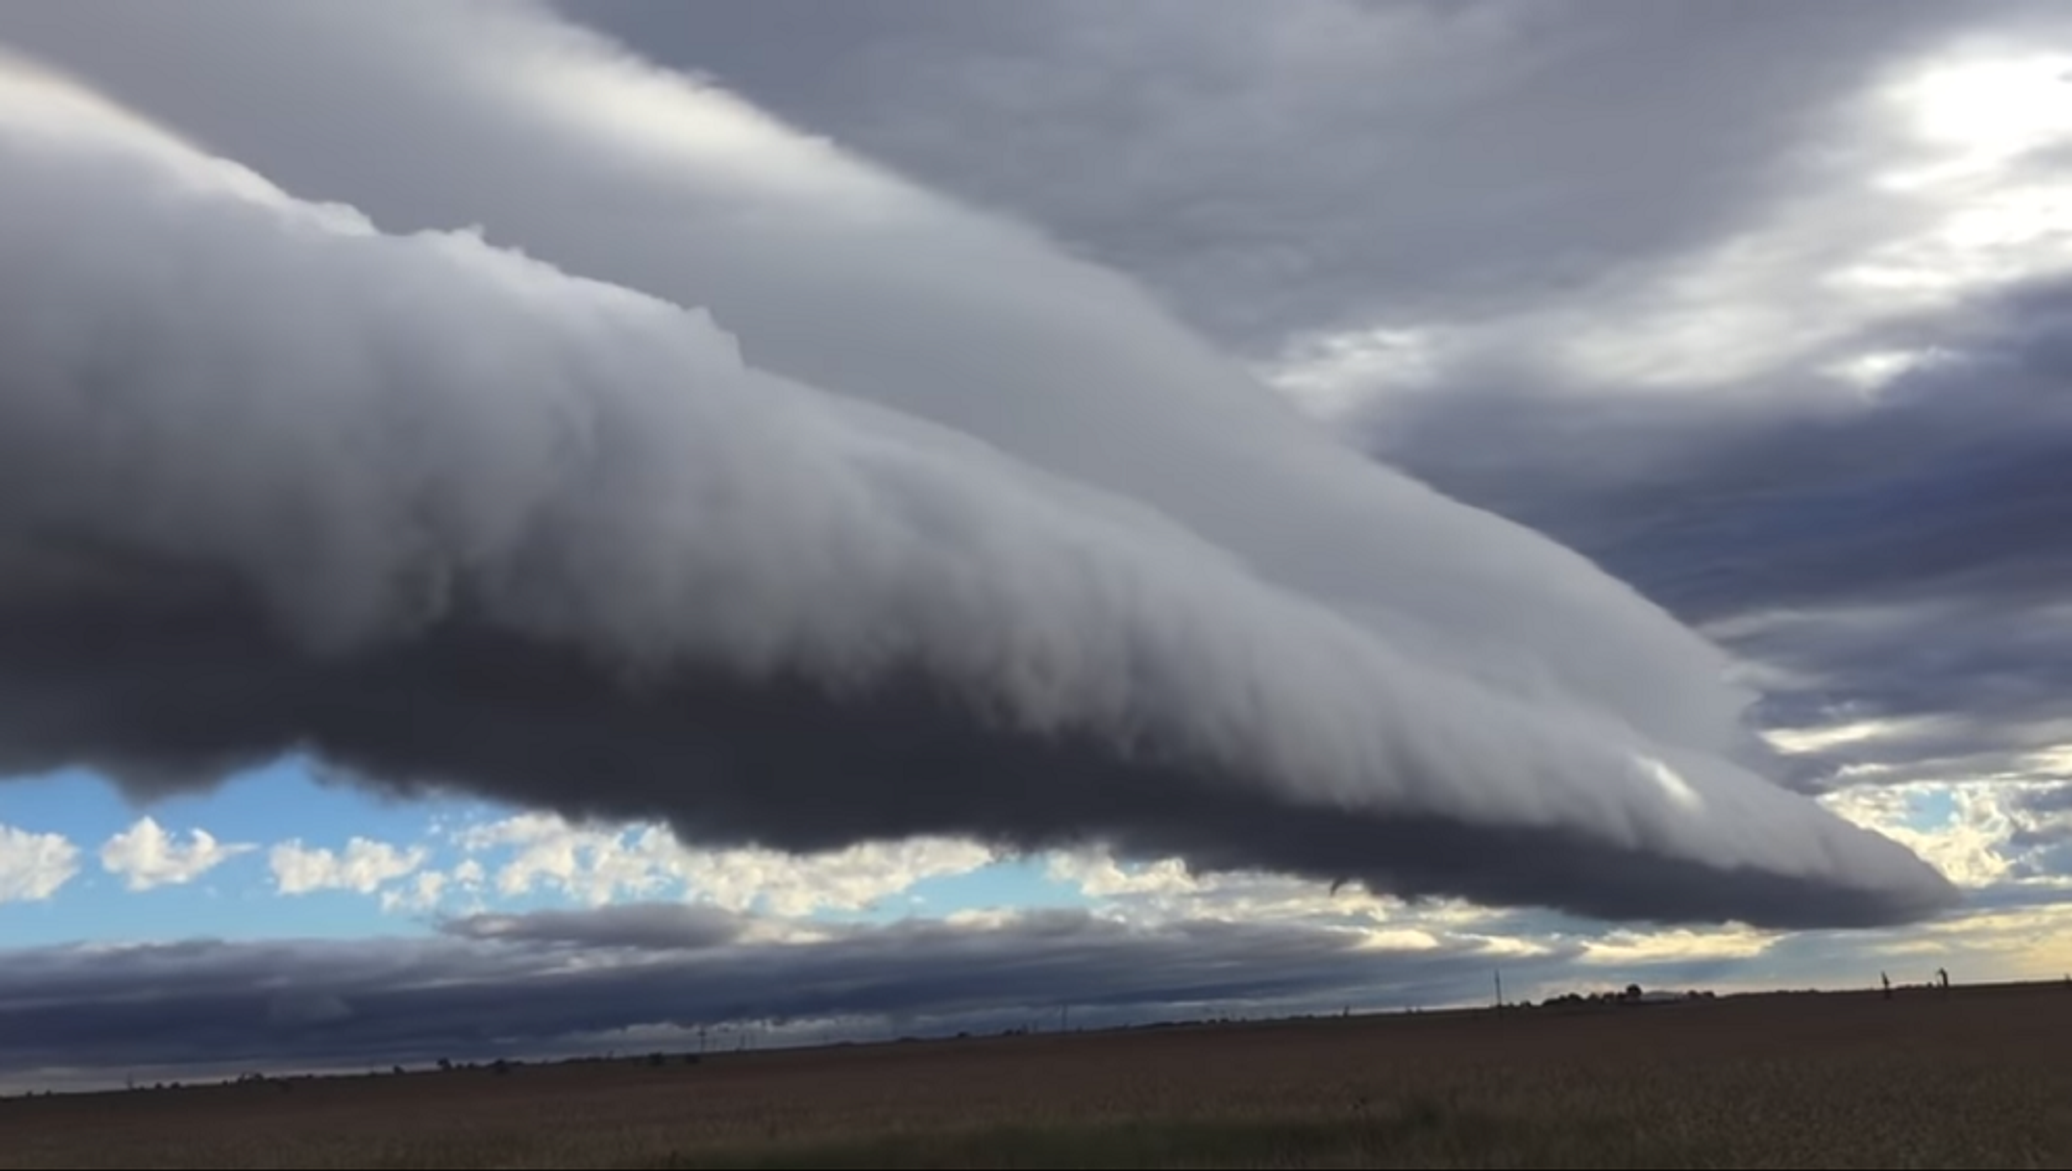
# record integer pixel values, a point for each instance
(272, 478)
(652, 975)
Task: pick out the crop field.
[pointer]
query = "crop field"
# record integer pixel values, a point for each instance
(1977, 1077)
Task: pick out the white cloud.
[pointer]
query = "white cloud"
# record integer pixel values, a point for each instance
(421, 892)
(594, 865)
(457, 889)
(363, 866)
(1166, 891)
(34, 865)
(1333, 375)
(850, 879)
(598, 864)
(146, 856)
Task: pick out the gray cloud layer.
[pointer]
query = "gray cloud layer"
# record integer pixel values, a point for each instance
(1900, 558)
(275, 479)
(637, 978)
(1949, 483)
(1325, 163)
(1317, 163)
(503, 985)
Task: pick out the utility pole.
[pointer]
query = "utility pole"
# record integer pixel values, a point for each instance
(1500, 990)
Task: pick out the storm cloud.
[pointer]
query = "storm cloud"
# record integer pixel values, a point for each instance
(1893, 560)
(1761, 309)
(975, 540)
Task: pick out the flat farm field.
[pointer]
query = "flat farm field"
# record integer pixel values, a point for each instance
(1977, 1077)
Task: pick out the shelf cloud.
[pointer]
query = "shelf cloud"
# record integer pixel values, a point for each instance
(817, 510)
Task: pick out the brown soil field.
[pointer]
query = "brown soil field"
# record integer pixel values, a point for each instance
(1978, 1077)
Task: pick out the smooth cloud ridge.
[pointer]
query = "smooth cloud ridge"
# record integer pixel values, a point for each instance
(271, 479)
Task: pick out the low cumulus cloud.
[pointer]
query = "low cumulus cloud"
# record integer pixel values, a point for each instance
(994, 550)
(362, 865)
(34, 865)
(598, 864)
(146, 856)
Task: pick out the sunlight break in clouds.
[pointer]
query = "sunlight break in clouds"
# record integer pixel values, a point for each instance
(450, 516)
(146, 856)
(1938, 197)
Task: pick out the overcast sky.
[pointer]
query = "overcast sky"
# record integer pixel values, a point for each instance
(903, 515)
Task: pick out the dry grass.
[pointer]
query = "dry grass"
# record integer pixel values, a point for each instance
(1979, 1078)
